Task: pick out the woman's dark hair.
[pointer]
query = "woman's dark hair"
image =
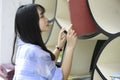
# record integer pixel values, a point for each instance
(27, 27)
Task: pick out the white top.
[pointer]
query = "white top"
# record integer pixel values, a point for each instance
(33, 63)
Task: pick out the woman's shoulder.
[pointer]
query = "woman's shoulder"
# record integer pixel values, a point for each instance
(27, 45)
(37, 50)
(32, 48)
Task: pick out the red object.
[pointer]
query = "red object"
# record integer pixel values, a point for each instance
(81, 18)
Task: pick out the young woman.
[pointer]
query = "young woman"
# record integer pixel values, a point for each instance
(33, 60)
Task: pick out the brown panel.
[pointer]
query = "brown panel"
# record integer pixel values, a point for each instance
(81, 18)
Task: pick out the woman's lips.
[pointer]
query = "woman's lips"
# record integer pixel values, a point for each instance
(47, 25)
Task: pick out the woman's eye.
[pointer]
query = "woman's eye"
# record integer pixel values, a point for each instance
(42, 16)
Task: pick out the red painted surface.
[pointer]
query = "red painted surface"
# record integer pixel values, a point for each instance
(81, 18)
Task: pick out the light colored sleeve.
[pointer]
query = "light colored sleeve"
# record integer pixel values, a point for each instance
(46, 68)
(58, 75)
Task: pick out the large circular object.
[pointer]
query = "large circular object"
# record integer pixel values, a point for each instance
(106, 14)
(107, 62)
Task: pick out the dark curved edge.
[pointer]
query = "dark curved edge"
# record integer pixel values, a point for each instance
(88, 36)
(112, 37)
(99, 72)
(97, 25)
(98, 46)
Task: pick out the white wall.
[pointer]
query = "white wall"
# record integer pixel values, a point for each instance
(0, 27)
(9, 8)
(7, 14)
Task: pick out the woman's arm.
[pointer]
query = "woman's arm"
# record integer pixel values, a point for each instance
(67, 61)
(60, 44)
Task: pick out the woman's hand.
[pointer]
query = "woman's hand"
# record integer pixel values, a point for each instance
(68, 57)
(61, 38)
(71, 38)
(3, 72)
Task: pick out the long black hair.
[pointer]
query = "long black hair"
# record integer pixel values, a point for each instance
(27, 27)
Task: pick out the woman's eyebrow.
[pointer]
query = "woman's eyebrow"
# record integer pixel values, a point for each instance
(41, 13)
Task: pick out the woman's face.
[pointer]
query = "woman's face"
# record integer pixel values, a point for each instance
(43, 21)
